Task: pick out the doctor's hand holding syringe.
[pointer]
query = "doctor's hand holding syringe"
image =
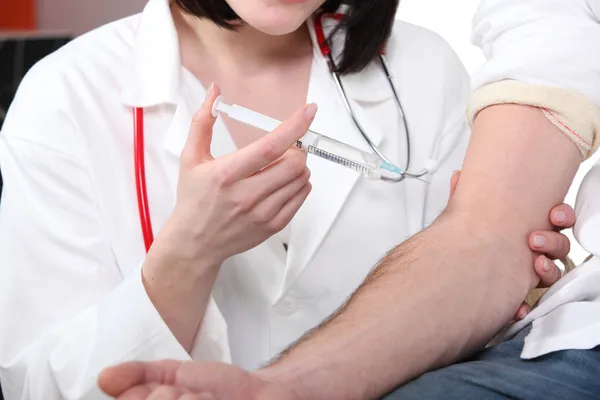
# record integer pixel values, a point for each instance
(245, 198)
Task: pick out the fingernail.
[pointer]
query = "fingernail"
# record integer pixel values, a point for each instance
(522, 313)
(546, 266)
(539, 241)
(210, 91)
(311, 111)
(560, 216)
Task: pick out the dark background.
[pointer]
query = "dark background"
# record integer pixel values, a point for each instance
(18, 53)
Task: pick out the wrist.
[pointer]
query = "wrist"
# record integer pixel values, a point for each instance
(310, 377)
(175, 262)
(161, 265)
(178, 246)
(273, 375)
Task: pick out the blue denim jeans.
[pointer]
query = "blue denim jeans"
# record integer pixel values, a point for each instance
(498, 373)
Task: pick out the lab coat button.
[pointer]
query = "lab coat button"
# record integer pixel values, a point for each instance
(287, 306)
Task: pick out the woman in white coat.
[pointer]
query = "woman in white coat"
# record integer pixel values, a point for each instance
(77, 290)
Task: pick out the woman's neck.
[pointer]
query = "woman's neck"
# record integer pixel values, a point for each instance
(243, 50)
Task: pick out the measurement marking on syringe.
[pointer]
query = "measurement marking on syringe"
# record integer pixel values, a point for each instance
(339, 160)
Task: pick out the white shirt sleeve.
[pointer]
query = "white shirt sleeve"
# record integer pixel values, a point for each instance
(543, 42)
(66, 310)
(542, 53)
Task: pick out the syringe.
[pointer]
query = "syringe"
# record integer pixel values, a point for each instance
(369, 165)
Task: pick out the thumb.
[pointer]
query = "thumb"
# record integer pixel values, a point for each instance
(197, 146)
(116, 380)
(453, 182)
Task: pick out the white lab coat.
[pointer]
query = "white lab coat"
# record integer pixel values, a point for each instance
(71, 298)
(554, 43)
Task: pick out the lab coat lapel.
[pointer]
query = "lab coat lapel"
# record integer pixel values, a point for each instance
(155, 73)
(178, 130)
(332, 184)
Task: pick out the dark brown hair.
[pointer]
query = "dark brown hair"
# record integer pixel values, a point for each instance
(368, 25)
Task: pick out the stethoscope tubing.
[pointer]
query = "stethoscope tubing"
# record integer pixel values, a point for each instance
(327, 53)
(140, 177)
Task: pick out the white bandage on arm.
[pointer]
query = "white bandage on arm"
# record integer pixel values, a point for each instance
(572, 113)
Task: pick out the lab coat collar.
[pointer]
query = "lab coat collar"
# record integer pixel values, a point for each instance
(155, 74)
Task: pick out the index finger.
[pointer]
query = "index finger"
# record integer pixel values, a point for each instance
(256, 156)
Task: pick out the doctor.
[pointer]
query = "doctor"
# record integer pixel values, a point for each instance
(77, 290)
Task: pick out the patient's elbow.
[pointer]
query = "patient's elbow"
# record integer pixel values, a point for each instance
(502, 255)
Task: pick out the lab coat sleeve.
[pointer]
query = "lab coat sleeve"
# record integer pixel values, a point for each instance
(542, 53)
(65, 308)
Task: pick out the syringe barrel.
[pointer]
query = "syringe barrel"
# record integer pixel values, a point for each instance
(341, 153)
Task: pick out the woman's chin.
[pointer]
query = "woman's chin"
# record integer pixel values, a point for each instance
(277, 26)
(276, 18)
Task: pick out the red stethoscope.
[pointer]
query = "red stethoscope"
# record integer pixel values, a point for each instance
(140, 176)
(138, 129)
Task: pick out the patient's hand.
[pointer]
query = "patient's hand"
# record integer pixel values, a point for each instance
(175, 380)
(551, 245)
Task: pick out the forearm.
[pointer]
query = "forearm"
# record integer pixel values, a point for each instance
(179, 283)
(418, 310)
(448, 290)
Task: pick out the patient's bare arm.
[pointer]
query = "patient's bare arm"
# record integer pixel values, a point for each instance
(448, 290)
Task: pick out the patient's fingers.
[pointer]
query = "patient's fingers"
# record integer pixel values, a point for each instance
(116, 380)
(197, 396)
(562, 216)
(157, 392)
(165, 393)
(555, 245)
(522, 312)
(547, 270)
(136, 393)
(549, 274)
